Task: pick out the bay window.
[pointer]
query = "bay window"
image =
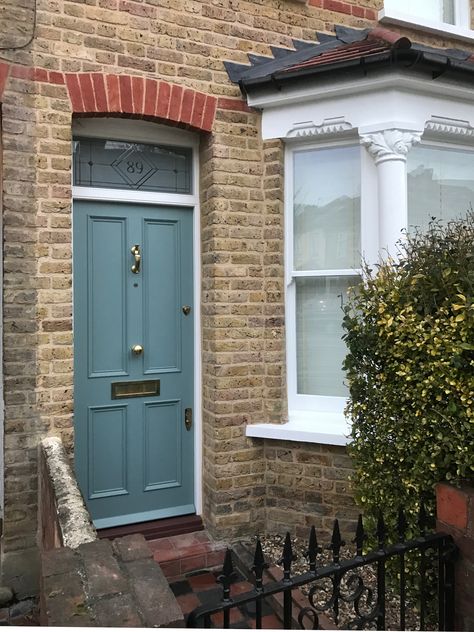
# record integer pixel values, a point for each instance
(365, 159)
(325, 242)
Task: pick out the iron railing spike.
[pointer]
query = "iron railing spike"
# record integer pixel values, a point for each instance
(287, 558)
(402, 525)
(225, 578)
(422, 521)
(336, 542)
(259, 565)
(228, 566)
(360, 536)
(381, 530)
(313, 549)
(258, 559)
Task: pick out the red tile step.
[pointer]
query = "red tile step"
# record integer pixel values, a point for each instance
(182, 554)
(203, 588)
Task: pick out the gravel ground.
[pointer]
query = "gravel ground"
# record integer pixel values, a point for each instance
(272, 547)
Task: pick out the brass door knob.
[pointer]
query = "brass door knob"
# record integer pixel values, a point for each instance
(137, 349)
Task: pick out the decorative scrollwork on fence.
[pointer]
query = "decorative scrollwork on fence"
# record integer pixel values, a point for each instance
(341, 589)
(349, 588)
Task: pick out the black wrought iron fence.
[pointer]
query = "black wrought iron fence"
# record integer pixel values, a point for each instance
(435, 554)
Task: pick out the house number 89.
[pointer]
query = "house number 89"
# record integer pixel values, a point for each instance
(134, 167)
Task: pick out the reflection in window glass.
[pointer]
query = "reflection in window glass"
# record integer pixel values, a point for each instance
(327, 209)
(320, 348)
(434, 10)
(118, 164)
(440, 184)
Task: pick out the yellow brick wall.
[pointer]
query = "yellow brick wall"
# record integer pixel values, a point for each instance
(184, 42)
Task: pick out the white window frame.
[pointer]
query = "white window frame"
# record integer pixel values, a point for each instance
(461, 29)
(299, 404)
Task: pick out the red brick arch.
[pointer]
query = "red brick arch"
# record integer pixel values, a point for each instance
(97, 93)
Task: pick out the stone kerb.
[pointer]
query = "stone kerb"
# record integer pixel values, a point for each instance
(455, 516)
(104, 584)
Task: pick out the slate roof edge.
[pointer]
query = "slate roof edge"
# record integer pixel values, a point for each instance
(289, 65)
(436, 63)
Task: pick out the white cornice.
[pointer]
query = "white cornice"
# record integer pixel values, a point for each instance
(443, 125)
(308, 129)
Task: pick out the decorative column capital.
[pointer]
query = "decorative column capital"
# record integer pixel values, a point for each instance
(390, 144)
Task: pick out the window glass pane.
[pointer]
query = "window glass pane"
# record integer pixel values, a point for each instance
(440, 184)
(118, 164)
(326, 206)
(319, 346)
(436, 10)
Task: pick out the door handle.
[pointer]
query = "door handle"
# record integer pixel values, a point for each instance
(137, 349)
(188, 418)
(135, 250)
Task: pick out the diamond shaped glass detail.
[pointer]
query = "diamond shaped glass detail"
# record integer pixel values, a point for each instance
(133, 167)
(118, 164)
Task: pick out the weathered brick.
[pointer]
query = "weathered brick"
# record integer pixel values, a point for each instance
(117, 611)
(103, 574)
(132, 547)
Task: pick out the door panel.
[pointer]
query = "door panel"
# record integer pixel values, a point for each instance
(107, 451)
(134, 457)
(162, 296)
(163, 429)
(107, 296)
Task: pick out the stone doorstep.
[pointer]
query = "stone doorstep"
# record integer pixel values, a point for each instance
(243, 558)
(182, 554)
(106, 584)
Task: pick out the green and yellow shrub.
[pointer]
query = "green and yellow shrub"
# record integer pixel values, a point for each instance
(410, 367)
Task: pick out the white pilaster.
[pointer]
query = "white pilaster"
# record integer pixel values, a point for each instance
(389, 149)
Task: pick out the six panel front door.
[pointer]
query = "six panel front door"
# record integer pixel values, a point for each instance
(133, 366)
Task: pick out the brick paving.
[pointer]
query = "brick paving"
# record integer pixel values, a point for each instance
(201, 587)
(182, 554)
(192, 562)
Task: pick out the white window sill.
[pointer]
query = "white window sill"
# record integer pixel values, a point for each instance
(391, 16)
(326, 428)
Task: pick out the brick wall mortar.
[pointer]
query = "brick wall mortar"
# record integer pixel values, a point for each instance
(308, 484)
(182, 42)
(21, 287)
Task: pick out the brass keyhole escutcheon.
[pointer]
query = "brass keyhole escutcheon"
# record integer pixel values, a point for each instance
(137, 349)
(186, 309)
(135, 250)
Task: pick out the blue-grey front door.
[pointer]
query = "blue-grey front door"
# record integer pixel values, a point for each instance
(133, 366)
